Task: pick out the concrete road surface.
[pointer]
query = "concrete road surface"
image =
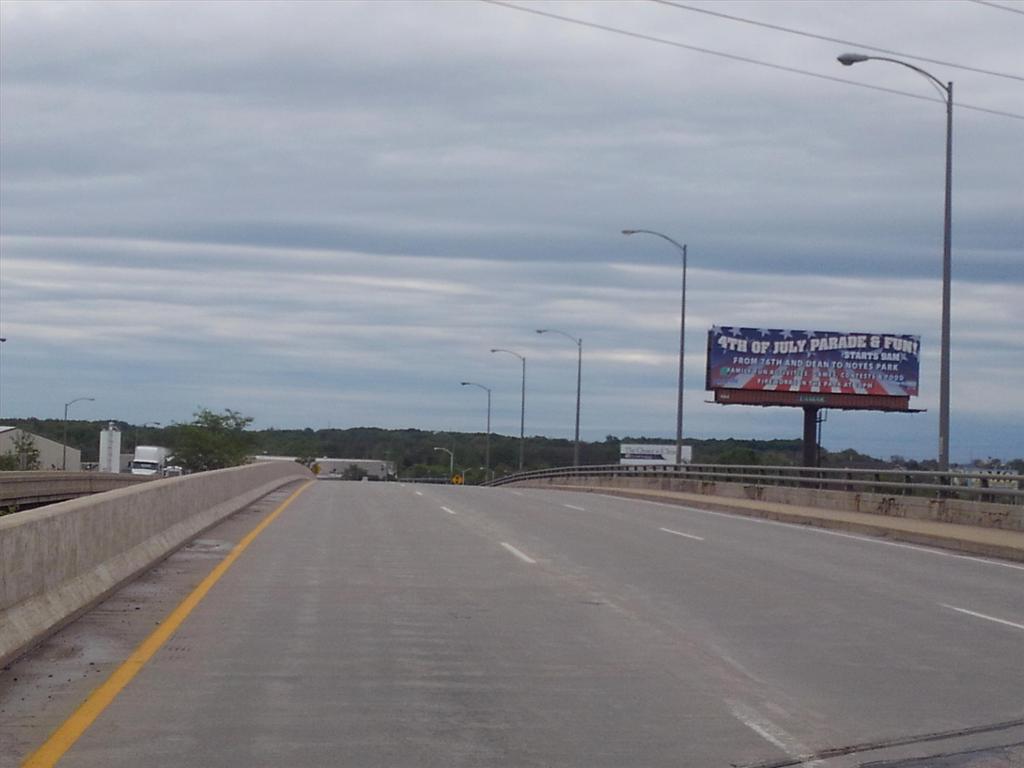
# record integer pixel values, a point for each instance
(402, 625)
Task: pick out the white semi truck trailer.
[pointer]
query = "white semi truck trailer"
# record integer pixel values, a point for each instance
(150, 459)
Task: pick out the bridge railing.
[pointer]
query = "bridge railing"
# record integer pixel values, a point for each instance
(22, 490)
(973, 486)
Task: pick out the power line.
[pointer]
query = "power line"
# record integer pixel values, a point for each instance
(744, 59)
(1000, 6)
(816, 36)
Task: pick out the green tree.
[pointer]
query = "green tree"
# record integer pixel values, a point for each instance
(211, 441)
(738, 455)
(24, 456)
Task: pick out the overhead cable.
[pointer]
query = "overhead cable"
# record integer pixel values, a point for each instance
(803, 33)
(1000, 6)
(744, 59)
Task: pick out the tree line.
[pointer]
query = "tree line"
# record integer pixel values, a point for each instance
(213, 440)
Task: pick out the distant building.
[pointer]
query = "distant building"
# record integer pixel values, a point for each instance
(329, 468)
(51, 453)
(991, 478)
(374, 468)
(652, 453)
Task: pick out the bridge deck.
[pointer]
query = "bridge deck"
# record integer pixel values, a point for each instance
(388, 625)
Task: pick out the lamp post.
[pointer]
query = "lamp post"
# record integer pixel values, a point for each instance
(64, 459)
(579, 374)
(451, 462)
(522, 407)
(2, 340)
(487, 449)
(682, 337)
(848, 60)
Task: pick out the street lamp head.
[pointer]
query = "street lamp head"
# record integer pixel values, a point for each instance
(466, 383)
(849, 59)
(629, 231)
(542, 330)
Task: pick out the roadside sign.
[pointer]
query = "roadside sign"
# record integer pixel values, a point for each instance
(457, 479)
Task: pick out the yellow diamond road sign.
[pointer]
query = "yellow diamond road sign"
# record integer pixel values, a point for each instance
(456, 479)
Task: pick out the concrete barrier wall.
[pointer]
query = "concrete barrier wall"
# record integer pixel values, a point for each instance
(58, 561)
(983, 514)
(35, 487)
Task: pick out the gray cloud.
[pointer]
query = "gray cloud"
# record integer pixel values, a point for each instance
(329, 212)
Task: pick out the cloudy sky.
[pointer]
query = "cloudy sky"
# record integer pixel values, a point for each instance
(326, 214)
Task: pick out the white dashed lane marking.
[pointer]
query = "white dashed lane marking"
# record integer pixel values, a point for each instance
(985, 616)
(680, 533)
(524, 557)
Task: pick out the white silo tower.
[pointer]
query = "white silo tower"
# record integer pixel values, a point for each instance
(110, 449)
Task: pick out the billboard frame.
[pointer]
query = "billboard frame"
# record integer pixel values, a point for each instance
(811, 402)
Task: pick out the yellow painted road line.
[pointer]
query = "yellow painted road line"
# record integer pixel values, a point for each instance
(78, 723)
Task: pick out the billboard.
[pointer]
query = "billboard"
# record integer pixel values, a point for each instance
(652, 453)
(812, 362)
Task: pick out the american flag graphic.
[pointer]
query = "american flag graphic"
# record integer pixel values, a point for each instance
(840, 362)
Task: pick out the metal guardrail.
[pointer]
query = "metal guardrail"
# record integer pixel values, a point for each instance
(974, 486)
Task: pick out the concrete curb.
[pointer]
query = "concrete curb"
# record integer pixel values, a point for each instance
(962, 544)
(59, 561)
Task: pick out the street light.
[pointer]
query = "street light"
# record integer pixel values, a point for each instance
(522, 407)
(451, 462)
(64, 460)
(848, 60)
(579, 373)
(487, 450)
(2, 340)
(682, 337)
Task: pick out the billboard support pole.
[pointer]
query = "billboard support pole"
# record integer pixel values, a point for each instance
(810, 445)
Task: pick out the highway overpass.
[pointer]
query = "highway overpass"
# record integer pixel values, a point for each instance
(372, 624)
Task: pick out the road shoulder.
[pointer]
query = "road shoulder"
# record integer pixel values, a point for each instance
(968, 539)
(42, 688)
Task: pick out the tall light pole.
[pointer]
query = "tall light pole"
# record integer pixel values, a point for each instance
(2, 340)
(579, 376)
(64, 459)
(487, 450)
(451, 462)
(522, 407)
(848, 60)
(682, 337)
